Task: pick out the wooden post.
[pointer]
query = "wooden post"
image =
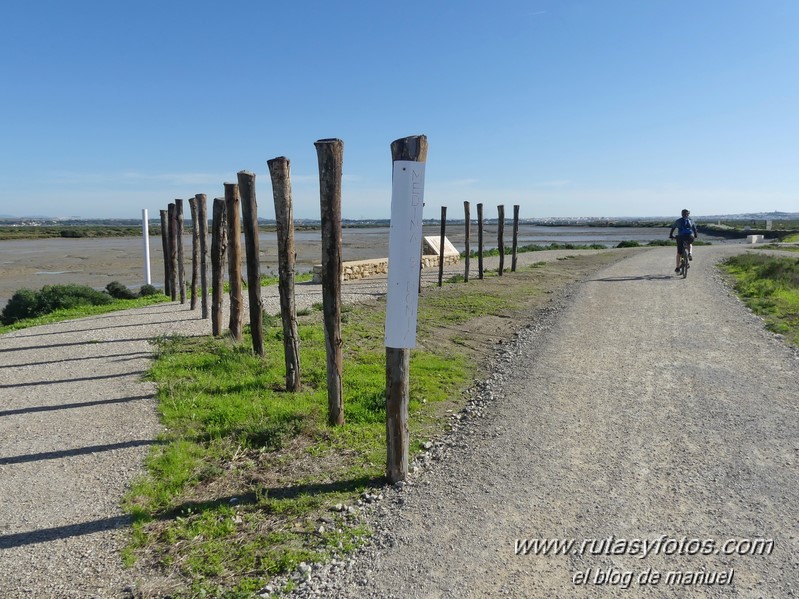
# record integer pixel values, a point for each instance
(173, 253)
(398, 359)
(330, 154)
(202, 221)
(179, 243)
(232, 208)
(466, 238)
(195, 251)
(249, 212)
(145, 231)
(501, 237)
(280, 171)
(479, 241)
(218, 247)
(441, 245)
(165, 247)
(515, 236)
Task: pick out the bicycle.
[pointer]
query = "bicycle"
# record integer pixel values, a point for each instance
(682, 269)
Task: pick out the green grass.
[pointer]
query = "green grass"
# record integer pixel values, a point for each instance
(267, 280)
(769, 285)
(73, 231)
(537, 248)
(774, 246)
(82, 311)
(228, 422)
(246, 473)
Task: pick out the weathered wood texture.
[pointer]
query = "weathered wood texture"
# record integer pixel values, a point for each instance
(173, 253)
(501, 238)
(479, 241)
(165, 248)
(195, 252)
(218, 249)
(515, 237)
(202, 227)
(179, 243)
(280, 172)
(398, 359)
(330, 155)
(467, 223)
(232, 210)
(249, 213)
(441, 246)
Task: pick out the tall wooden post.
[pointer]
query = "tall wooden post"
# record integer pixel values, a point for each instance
(330, 154)
(173, 253)
(232, 208)
(195, 251)
(145, 232)
(466, 238)
(202, 221)
(249, 212)
(218, 247)
(501, 237)
(280, 171)
(398, 359)
(165, 247)
(441, 245)
(515, 236)
(179, 243)
(479, 241)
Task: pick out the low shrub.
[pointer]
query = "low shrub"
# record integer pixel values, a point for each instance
(119, 291)
(148, 290)
(628, 244)
(30, 304)
(21, 305)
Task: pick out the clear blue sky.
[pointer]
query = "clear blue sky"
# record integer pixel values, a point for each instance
(567, 107)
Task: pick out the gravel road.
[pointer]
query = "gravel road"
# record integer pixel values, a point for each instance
(76, 421)
(647, 407)
(644, 406)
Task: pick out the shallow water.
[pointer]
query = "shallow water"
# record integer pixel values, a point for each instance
(98, 261)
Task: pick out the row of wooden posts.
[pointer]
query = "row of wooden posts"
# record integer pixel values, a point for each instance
(227, 227)
(467, 240)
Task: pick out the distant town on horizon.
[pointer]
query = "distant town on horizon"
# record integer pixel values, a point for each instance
(8, 220)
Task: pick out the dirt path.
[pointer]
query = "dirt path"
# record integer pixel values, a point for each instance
(651, 408)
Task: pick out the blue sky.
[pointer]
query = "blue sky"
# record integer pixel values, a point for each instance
(566, 107)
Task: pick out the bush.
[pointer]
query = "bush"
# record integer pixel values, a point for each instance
(21, 305)
(629, 244)
(59, 297)
(148, 290)
(30, 304)
(118, 291)
(72, 233)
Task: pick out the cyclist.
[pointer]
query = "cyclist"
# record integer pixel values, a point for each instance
(686, 233)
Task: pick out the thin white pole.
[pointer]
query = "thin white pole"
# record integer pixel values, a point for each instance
(146, 235)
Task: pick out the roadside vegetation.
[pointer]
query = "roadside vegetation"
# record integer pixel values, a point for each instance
(54, 303)
(250, 480)
(72, 231)
(769, 285)
(576, 246)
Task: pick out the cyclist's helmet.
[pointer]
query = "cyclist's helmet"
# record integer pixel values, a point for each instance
(686, 212)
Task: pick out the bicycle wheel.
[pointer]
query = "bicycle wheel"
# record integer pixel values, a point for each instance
(684, 264)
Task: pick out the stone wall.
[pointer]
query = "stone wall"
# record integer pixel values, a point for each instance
(360, 269)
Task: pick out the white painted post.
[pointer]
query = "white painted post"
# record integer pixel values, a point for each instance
(145, 228)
